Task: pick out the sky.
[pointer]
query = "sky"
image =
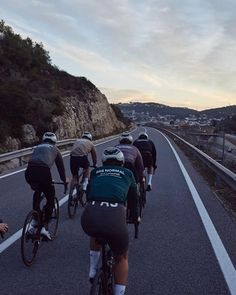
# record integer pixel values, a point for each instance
(173, 52)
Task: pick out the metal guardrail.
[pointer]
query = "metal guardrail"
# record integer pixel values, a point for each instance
(19, 154)
(222, 172)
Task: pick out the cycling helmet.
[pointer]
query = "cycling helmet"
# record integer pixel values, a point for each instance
(143, 135)
(126, 138)
(49, 136)
(113, 154)
(87, 135)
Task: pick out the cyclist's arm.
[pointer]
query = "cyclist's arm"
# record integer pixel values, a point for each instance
(94, 156)
(60, 166)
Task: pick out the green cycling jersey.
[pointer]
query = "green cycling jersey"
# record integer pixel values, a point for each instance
(111, 184)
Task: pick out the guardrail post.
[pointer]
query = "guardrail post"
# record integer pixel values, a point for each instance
(20, 161)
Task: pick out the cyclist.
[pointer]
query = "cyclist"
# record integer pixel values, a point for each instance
(105, 214)
(133, 158)
(39, 177)
(79, 159)
(148, 152)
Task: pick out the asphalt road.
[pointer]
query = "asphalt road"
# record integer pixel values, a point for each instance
(186, 245)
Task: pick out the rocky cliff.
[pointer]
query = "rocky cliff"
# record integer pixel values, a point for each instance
(35, 96)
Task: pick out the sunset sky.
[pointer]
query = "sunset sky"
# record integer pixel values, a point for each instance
(178, 53)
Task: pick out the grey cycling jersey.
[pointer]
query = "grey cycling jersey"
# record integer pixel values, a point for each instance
(82, 147)
(44, 154)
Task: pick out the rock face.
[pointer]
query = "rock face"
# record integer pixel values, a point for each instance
(93, 114)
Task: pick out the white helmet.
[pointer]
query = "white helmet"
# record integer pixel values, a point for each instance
(113, 154)
(143, 135)
(50, 137)
(126, 138)
(87, 135)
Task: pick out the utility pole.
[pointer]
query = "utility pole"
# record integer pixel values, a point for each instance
(223, 147)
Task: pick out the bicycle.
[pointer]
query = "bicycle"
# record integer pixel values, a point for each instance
(77, 196)
(103, 283)
(141, 205)
(31, 237)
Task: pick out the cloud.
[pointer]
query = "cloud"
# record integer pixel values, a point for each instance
(180, 51)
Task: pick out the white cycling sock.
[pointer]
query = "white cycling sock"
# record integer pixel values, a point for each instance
(94, 257)
(150, 179)
(85, 183)
(119, 289)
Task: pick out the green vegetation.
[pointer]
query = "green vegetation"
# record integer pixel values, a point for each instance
(30, 86)
(119, 115)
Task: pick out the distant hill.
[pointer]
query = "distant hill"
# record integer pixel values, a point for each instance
(155, 109)
(222, 112)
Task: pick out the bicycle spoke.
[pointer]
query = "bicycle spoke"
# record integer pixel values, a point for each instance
(30, 238)
(53, 223)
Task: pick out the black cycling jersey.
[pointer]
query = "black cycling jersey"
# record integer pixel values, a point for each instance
(146, 146)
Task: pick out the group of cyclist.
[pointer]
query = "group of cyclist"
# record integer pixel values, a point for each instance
(108, 188)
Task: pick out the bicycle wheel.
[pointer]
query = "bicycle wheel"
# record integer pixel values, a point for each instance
(53, 223)
(98, 286)
(72, 204)
(81, 196)
(30, 238)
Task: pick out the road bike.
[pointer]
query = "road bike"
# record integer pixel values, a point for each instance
(77, 196)
(103, 283)
(31, 233)
(141, 204)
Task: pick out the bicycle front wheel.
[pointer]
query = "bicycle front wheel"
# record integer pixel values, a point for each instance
(72, 204)
(53, 223)
(30, 238)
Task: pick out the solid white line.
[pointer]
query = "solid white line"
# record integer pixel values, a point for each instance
(222, 256)
(12, 239)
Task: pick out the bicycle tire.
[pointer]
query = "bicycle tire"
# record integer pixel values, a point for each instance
(53, 223)
(72, 204)
(30, 242)
(97, 287)
(81, 195)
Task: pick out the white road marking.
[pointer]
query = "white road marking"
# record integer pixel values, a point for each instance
(222, 256)
(12, 239)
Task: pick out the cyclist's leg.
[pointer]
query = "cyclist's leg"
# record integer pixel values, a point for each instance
(49, 191)
(74, 168)
(121, 273)
(33, 176)
(94, 255)
(119, 241)
(85, 165)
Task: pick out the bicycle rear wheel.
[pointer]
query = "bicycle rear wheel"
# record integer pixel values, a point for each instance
(72, 204)
(30, 238)
(53, 223)
(81, 197)
(98, 286)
